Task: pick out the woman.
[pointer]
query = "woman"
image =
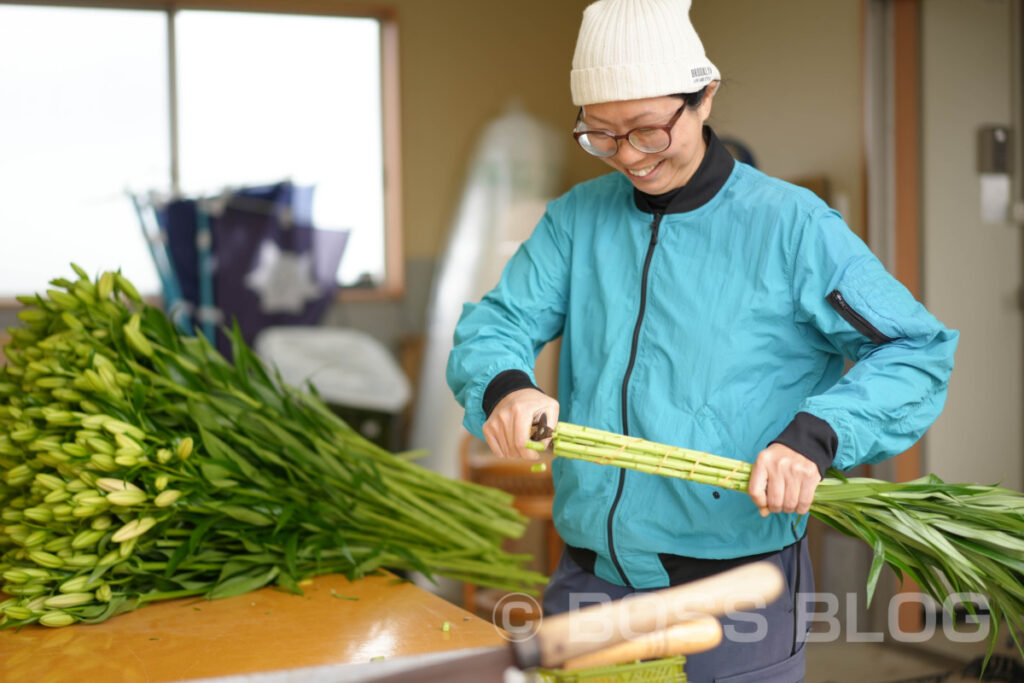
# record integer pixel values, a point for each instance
(703, 304)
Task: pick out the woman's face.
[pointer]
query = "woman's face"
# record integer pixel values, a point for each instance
(658, 172)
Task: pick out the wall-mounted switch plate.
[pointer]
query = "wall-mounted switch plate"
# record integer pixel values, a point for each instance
(994, 149)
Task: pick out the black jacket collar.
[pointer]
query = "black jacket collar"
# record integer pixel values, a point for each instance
(707, 180)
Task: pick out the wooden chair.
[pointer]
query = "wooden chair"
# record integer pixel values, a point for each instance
(534, 494)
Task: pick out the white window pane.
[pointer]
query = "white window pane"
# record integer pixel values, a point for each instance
(265, 97)
(83, 118)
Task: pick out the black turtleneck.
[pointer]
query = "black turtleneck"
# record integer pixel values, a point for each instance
(707, 180)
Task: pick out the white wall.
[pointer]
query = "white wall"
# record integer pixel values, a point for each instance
(972, 269)
(791, 72)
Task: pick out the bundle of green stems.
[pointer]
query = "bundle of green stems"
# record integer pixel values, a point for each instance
(139, 464)
(951, 539)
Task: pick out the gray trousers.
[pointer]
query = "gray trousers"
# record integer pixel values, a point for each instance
(761, 646)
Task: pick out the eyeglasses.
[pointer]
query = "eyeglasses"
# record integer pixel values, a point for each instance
(649, 139)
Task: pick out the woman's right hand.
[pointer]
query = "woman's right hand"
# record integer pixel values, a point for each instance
(508, 428)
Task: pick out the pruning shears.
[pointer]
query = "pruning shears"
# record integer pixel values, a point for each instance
(541, 430)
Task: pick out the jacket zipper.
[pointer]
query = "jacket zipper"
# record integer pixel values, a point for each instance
(860, 323)
(625, 389)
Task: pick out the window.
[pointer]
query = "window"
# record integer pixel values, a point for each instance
(99, 102)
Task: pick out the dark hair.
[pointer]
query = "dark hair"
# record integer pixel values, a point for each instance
(692, 99)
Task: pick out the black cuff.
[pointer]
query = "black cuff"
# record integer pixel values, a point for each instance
(812, 438)
(504, 384)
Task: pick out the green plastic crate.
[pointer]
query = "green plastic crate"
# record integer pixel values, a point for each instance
(667, 669)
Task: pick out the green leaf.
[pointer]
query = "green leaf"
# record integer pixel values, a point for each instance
(876, 567)
(288, 582)
(282, 518)
(233, 567)
(243, 583)
(290, 553)
(117, 605)
(246, 515)
(186, 549)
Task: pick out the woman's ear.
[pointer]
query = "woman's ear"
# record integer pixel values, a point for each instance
(705, 104)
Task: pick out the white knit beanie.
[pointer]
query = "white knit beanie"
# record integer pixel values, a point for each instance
(631, 49)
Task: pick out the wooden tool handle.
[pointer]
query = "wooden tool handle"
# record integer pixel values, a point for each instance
(568, 636)
(699, 635)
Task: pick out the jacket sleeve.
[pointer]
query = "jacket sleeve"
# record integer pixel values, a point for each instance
(511, 324)
(902, 356)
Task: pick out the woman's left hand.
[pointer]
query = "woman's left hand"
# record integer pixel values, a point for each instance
(783, 480)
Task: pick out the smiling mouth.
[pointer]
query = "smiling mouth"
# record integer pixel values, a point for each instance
(642, 172)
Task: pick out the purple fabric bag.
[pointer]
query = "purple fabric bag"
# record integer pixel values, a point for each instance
(272, 267)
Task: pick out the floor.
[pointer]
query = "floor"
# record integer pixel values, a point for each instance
(869, 663)
(939, 662)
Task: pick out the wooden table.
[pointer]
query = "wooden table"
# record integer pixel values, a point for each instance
(263, 631)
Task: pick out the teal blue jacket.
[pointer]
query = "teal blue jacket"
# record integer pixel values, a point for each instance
(710, 329)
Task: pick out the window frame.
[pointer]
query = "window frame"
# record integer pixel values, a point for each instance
(393, 286)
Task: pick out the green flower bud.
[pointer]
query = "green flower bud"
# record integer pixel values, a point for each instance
(110, 485)
(36, 604)
(35, 538)
(91, 407)
(82, 561)
(63, 300)
(84, 511)
(57, 496)
(17, 576)
(19, 475)
(115, 426)
(126, 498)
(18, 612)
(127, 445)
(55, 545)
(54, 458)
(39, 514)
(67, 395)
(74, 449)
(33, 316)
(100, 445)
(133, 529)
(88, 477)
(66, 600)
(166, 498)
(76, 485)
(127, 287)
(112, 557)
(127, 548)
(86, 538)
(79, 584)
(102, 462)
(45, 559)
(102, 522)
(49, 481)
(126, 459)
(105, 285)
(56, 619)
(185, 448)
